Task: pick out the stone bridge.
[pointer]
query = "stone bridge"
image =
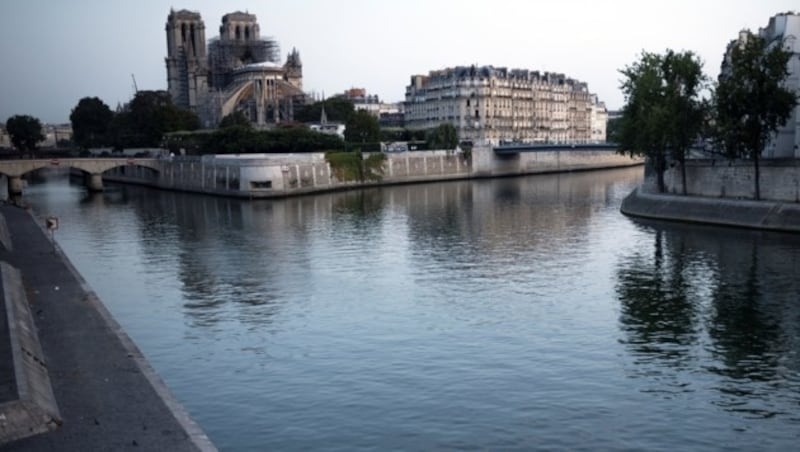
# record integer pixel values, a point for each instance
(93, 167)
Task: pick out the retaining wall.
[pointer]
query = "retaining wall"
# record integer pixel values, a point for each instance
(274, 175)
(780, 179)
(776, 216)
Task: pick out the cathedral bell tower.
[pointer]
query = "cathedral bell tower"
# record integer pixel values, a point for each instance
(187, 65)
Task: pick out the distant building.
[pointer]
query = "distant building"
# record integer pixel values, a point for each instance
(782, 28)
(392, 115)
(389, 114)
(239, 71)
(328, 127)
(5, 138)
(498, 104)
(53, 133)
(598, 120)
(786, 27)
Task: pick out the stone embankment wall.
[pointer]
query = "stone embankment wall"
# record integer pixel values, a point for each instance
(721, 192)
(264, 176)
(780, 179)
(274, 175)
(768, 215)
(487, 164)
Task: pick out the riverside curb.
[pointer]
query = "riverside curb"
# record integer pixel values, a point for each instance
(742, 213)
(109, 397)
(35, 410)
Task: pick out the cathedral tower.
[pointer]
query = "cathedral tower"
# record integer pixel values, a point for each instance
(187, 65)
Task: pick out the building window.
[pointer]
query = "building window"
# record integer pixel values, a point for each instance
(256, 185)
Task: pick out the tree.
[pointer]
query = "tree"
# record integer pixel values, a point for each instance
(443, 137)
(612, 130)
(751, 101)
(91, 120)
(684, 79)
(147, 118)
(362, 127)
(663, 114)
(336, 109)
(25, 132)
(237, 118)
(642, 128)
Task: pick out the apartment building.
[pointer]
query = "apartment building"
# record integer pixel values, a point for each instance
(498, 104)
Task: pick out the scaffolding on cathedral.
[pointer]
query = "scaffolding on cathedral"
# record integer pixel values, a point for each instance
(226, 55)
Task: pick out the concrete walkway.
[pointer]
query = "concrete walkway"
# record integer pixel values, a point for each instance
(744, 213)
(107, 396)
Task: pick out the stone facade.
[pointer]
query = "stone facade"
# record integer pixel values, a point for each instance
(498, 104)
(238, 71)
(780, 179)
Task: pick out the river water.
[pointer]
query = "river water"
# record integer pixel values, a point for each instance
(521, 313)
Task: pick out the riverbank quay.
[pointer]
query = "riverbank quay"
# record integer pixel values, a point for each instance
(743, 213)
(264, 176)
(107, 395)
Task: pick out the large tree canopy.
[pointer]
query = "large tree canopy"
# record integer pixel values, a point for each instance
(683, 82)
(362, 127)
(445, 136)
(751, 101)
(237, 118)
(148, 117)
(25, 132)
(337, 109)
(663, 113)
(91, 120)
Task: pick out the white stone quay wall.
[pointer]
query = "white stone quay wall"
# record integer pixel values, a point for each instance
(274, 175)
(269, 175)
(486, 164)
(780, 179)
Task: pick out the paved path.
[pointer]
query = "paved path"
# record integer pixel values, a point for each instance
(108, 396)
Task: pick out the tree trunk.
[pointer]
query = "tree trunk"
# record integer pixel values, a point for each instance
(757, 176)
(660, 166)
(682, 161)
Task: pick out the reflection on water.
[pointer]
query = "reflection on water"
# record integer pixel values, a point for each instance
(718, 302)
(521, 313)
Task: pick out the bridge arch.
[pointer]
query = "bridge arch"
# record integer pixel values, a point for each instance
(93, 167)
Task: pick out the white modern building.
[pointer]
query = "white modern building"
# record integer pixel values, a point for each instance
(498, 104)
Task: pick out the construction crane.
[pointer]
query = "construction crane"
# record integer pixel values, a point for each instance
(135, 88)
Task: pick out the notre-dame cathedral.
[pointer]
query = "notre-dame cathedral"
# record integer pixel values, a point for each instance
(237, 71)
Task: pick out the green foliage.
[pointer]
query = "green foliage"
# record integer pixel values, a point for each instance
(91, 120)
(751, 101)
(25, 132)
(663, 113)
(337, 109)
(684, 79)
(612, 130)
(149, 116)
(362, 127)
(246, 140)
(443, 137)
(352, 166)
(237, 118)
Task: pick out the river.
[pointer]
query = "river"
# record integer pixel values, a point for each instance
(517, 313)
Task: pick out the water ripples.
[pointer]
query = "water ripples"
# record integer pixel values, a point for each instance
(514, 313)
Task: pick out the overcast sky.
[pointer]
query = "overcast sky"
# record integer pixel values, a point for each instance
(54, 52)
